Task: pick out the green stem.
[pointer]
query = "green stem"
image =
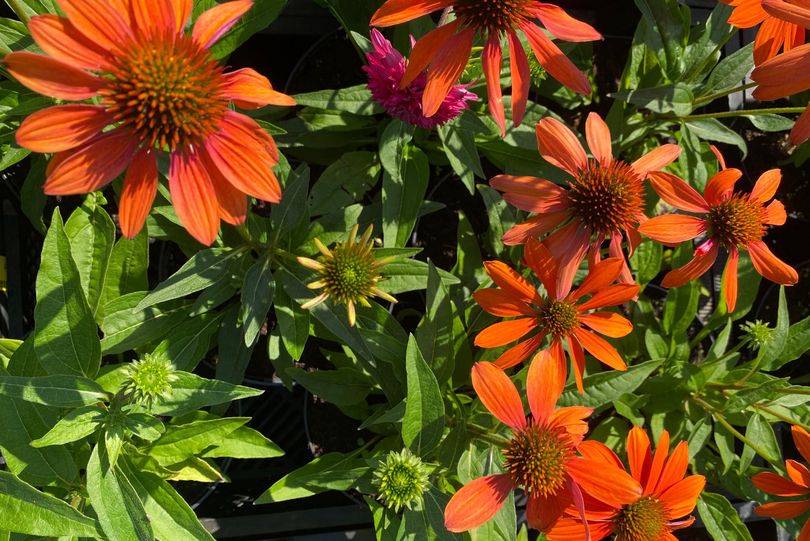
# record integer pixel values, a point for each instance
(781, 417)
(795, 390)
(733, 114)
(722, 420)
(485, 434)
(19, 9)
(711, 97)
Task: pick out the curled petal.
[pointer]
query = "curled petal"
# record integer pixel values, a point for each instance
(446, 69)
(498, 394)
(673, 229)
(677, 192)
(775, 213)
(62, 127)
(721, 185)
(213, 23)
(770, 266)
(702, 261)
(251, 90)
(52, 77)
(477, 502)
(554, 61)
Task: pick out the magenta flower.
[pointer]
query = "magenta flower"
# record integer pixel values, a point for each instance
(385, 69)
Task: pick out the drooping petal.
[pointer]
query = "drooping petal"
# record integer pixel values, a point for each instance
(232, 202)
(92, 166)
(702, 261)
(801, 129)
(62, 127)
(99, 22)
(601, 275)
(775, 213)
(140, 187)
(675, 191)
(798, 472)
(52, 77)
(600, 348)
(213, 23)
(639, 455)
(543, 512)
(425, 50)
(544, 385)
(60, 39)
(401, 11)
(559, 146)
(607, 484)
(569, 529)
(531, 194)
(680, 498)
(505, 332)
(562, 25)
(534, 227)
(657, 464)
(540, 260)
(657, 159)
(521, 77)
(784, 75)
(770, 266)
(673, 229)
(730, 280)
(608, 323)
(477, 502)
(766, 186)
(193, 197)
(498, 394)
(802, 440)
(600, 452)
(783, 510)
(491, 60)
(500, 303)
(597, 134)
(569, 246)
(610, 296)
(777, 485)
(804, 534)
(578, 362)
(511, 282)
(518, 353)
(446, 69)
(554, 61)
(250, 89)
(770, 38)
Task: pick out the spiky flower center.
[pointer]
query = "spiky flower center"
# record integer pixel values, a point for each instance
(643, 520)
(536, 459)
(351, 272)
(149, 379)
(736, 221)
(168, 92)
(401, 479)
(758, 332)
(607, 197)
(490, 16)
(559, 318)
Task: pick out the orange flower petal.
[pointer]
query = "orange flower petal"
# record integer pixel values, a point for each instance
(798, 472)
(804, 534)
(505, 332)
(521, 77)
(401, 11)
(675, 467)
(802, 440)
(612, 486)
(52, 77)
(770, 38)
(775, 213)
(62, 127)
(251, 90)
(446, 69)
(569, 529)
(543, 512)
(518, 353)
(99, 21)
(600, 452)
(213, 23)
(610, 296)
(600, 348)
(544, 385)
(571, 419)
(766, 186)
(730, 280)
(639, 455)
(140, 187)
(784, 75)
(783, 510)
(153, 17)
(578, 361)
(680, 499)
(677, 192)
(511, 282)
(498, 394)
(531, 194)
(193, 197)
(795, 13)
(601, 275)
(477, 502)
(657, 464)
(554, 61)
(569, 245)
(534, 227)
(232, 203)
(657, 159)
(673, 229)
(702, 261)
(559, 146)
(770, 266)
(597, 134)
(92, 166)
(562, 25)
(491, 61)
(182, 12)
(425, 50)
(746, 13)
(60, 39)
(236, 152)
(500, 303)
(777, 485)
(608, 323)
(539, 259)
(801, 129)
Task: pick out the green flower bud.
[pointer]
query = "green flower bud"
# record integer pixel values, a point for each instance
(758, 333)
(402, 479)
(149, 380)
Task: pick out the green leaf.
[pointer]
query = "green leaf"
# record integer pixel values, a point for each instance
(257, 18)
(423, 423)
(769, 355)
(126, 271)
(676, 99)
(798, 343)
(711, 129)
(127, 327)
(291, 216)
(293, 322)
(54, 391)
(332, 471)
(257, 298)
(458, 138)
(144, 426)
(190, 439)
(345, 181)
(646, 261)
(605, 387)
(670, 21)
(188, 343)
(342, 387)
(761, 434)
(115, 501)
(74, 426)
(91, 232)
(234, 355)
(721, 519)
(190, 392)
(355, 99)
(435, 332)
(405, 275)
(729, 72)
(66, 338)
(201, 271)
(244, 442)
(26, 510)
(771, 123)
(32, 198)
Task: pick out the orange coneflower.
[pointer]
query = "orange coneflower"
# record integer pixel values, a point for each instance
(541, 457)
(445, 50)
(561, 316)
(160, 91)
(667, 497)
(787, 73)
(797, 485)
(774, 33)
(604, 199)
(731, 220)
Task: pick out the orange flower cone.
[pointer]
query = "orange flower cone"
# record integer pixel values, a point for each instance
(158, 90)
(665, 501)
(730, 220)
(541, 457)
(774, 34)
(604, 200)
(796, 485)
(564, 317)
(444, 52)
(788, 73)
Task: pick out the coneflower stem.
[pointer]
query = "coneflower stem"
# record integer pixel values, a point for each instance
(734, 114)
(485, 434)
(19, 10)
(781, 417)
(711, 97)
